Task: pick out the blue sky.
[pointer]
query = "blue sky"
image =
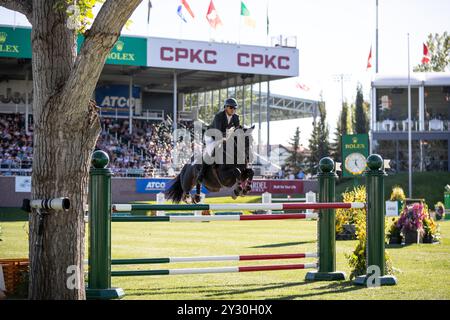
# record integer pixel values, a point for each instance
(333, 37)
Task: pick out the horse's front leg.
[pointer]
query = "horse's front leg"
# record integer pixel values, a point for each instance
(197, 197)
(248, 174)
(237, 177)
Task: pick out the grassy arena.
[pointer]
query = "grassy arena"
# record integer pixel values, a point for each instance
(424, 270)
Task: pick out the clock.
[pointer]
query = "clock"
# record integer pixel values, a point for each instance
(355, 163)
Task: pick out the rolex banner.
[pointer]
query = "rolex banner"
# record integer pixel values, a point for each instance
(355, 150)
(15, 42)
(130, 51)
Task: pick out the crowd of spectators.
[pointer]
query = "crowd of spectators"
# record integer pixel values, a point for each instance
(16, 145)
(149, 148)
(147, 151)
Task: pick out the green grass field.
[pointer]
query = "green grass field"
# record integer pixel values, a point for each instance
(424, 269)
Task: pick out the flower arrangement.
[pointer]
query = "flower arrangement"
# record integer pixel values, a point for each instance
(411, 218)
(431, 231)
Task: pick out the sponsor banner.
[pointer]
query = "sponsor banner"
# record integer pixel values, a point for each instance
(126, 51)
(13, 92)
(113, 99)
(212, 56)
(23, 184)
(156, 185)
(278, 186)
(355, 150)
(15, 42)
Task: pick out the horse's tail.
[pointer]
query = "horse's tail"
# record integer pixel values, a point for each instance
(175, 191)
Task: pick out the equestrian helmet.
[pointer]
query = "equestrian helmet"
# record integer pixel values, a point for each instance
(230, 102)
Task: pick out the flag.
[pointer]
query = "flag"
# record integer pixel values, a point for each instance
(148, 14)
(369, 65)
(188, 8)
(246, 14)
(302, 86)
(180, 13)
(426, 55)
(212, 16)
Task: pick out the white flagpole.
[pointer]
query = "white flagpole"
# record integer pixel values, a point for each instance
(409, 129)
(376, 42)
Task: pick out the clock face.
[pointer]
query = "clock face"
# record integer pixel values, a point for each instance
(355, 163)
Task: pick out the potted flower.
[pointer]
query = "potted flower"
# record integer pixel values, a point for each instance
(394, 233)
(431, 233)
(398, 195)
(439, 210)
(411, 223)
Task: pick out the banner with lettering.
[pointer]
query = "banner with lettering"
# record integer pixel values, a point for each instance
(113, 99)
(224, 57)
(130, 51)
(15, 42)
(355, 150)
(277, 186)
(156, 185)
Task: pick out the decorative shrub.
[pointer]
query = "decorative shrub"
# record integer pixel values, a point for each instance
(393, 234)
(397, 194)
(439, 210)
(351, 216)
(431, 231)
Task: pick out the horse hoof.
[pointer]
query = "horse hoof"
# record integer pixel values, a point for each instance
(197, 199)
(234, 195)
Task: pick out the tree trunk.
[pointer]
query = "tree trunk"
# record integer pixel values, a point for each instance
(62, 149)
(66, 127)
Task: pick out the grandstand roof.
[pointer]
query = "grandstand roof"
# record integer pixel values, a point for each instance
(151, 61)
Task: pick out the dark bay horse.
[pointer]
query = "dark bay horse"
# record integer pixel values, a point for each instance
(233, 170)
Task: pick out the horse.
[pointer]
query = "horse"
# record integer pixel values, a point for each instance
(234, 170)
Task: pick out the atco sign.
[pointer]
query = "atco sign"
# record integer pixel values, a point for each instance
(184, 54)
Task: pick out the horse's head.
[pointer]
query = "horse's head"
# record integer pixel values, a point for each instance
(242, 141)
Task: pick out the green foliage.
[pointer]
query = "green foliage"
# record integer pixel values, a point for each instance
(295, 159)
(80, 13)
(439, 49)
(361, 117)
(397, 194)
(393, 230)
(344, 126)
(319, 142)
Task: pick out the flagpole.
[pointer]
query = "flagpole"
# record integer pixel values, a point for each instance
(409, 130)
(376, 41)
(267, 22)
(240, 16)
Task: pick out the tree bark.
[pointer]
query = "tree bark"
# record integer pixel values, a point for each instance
(66, 127)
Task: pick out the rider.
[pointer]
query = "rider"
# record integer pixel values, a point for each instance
(223, 120)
